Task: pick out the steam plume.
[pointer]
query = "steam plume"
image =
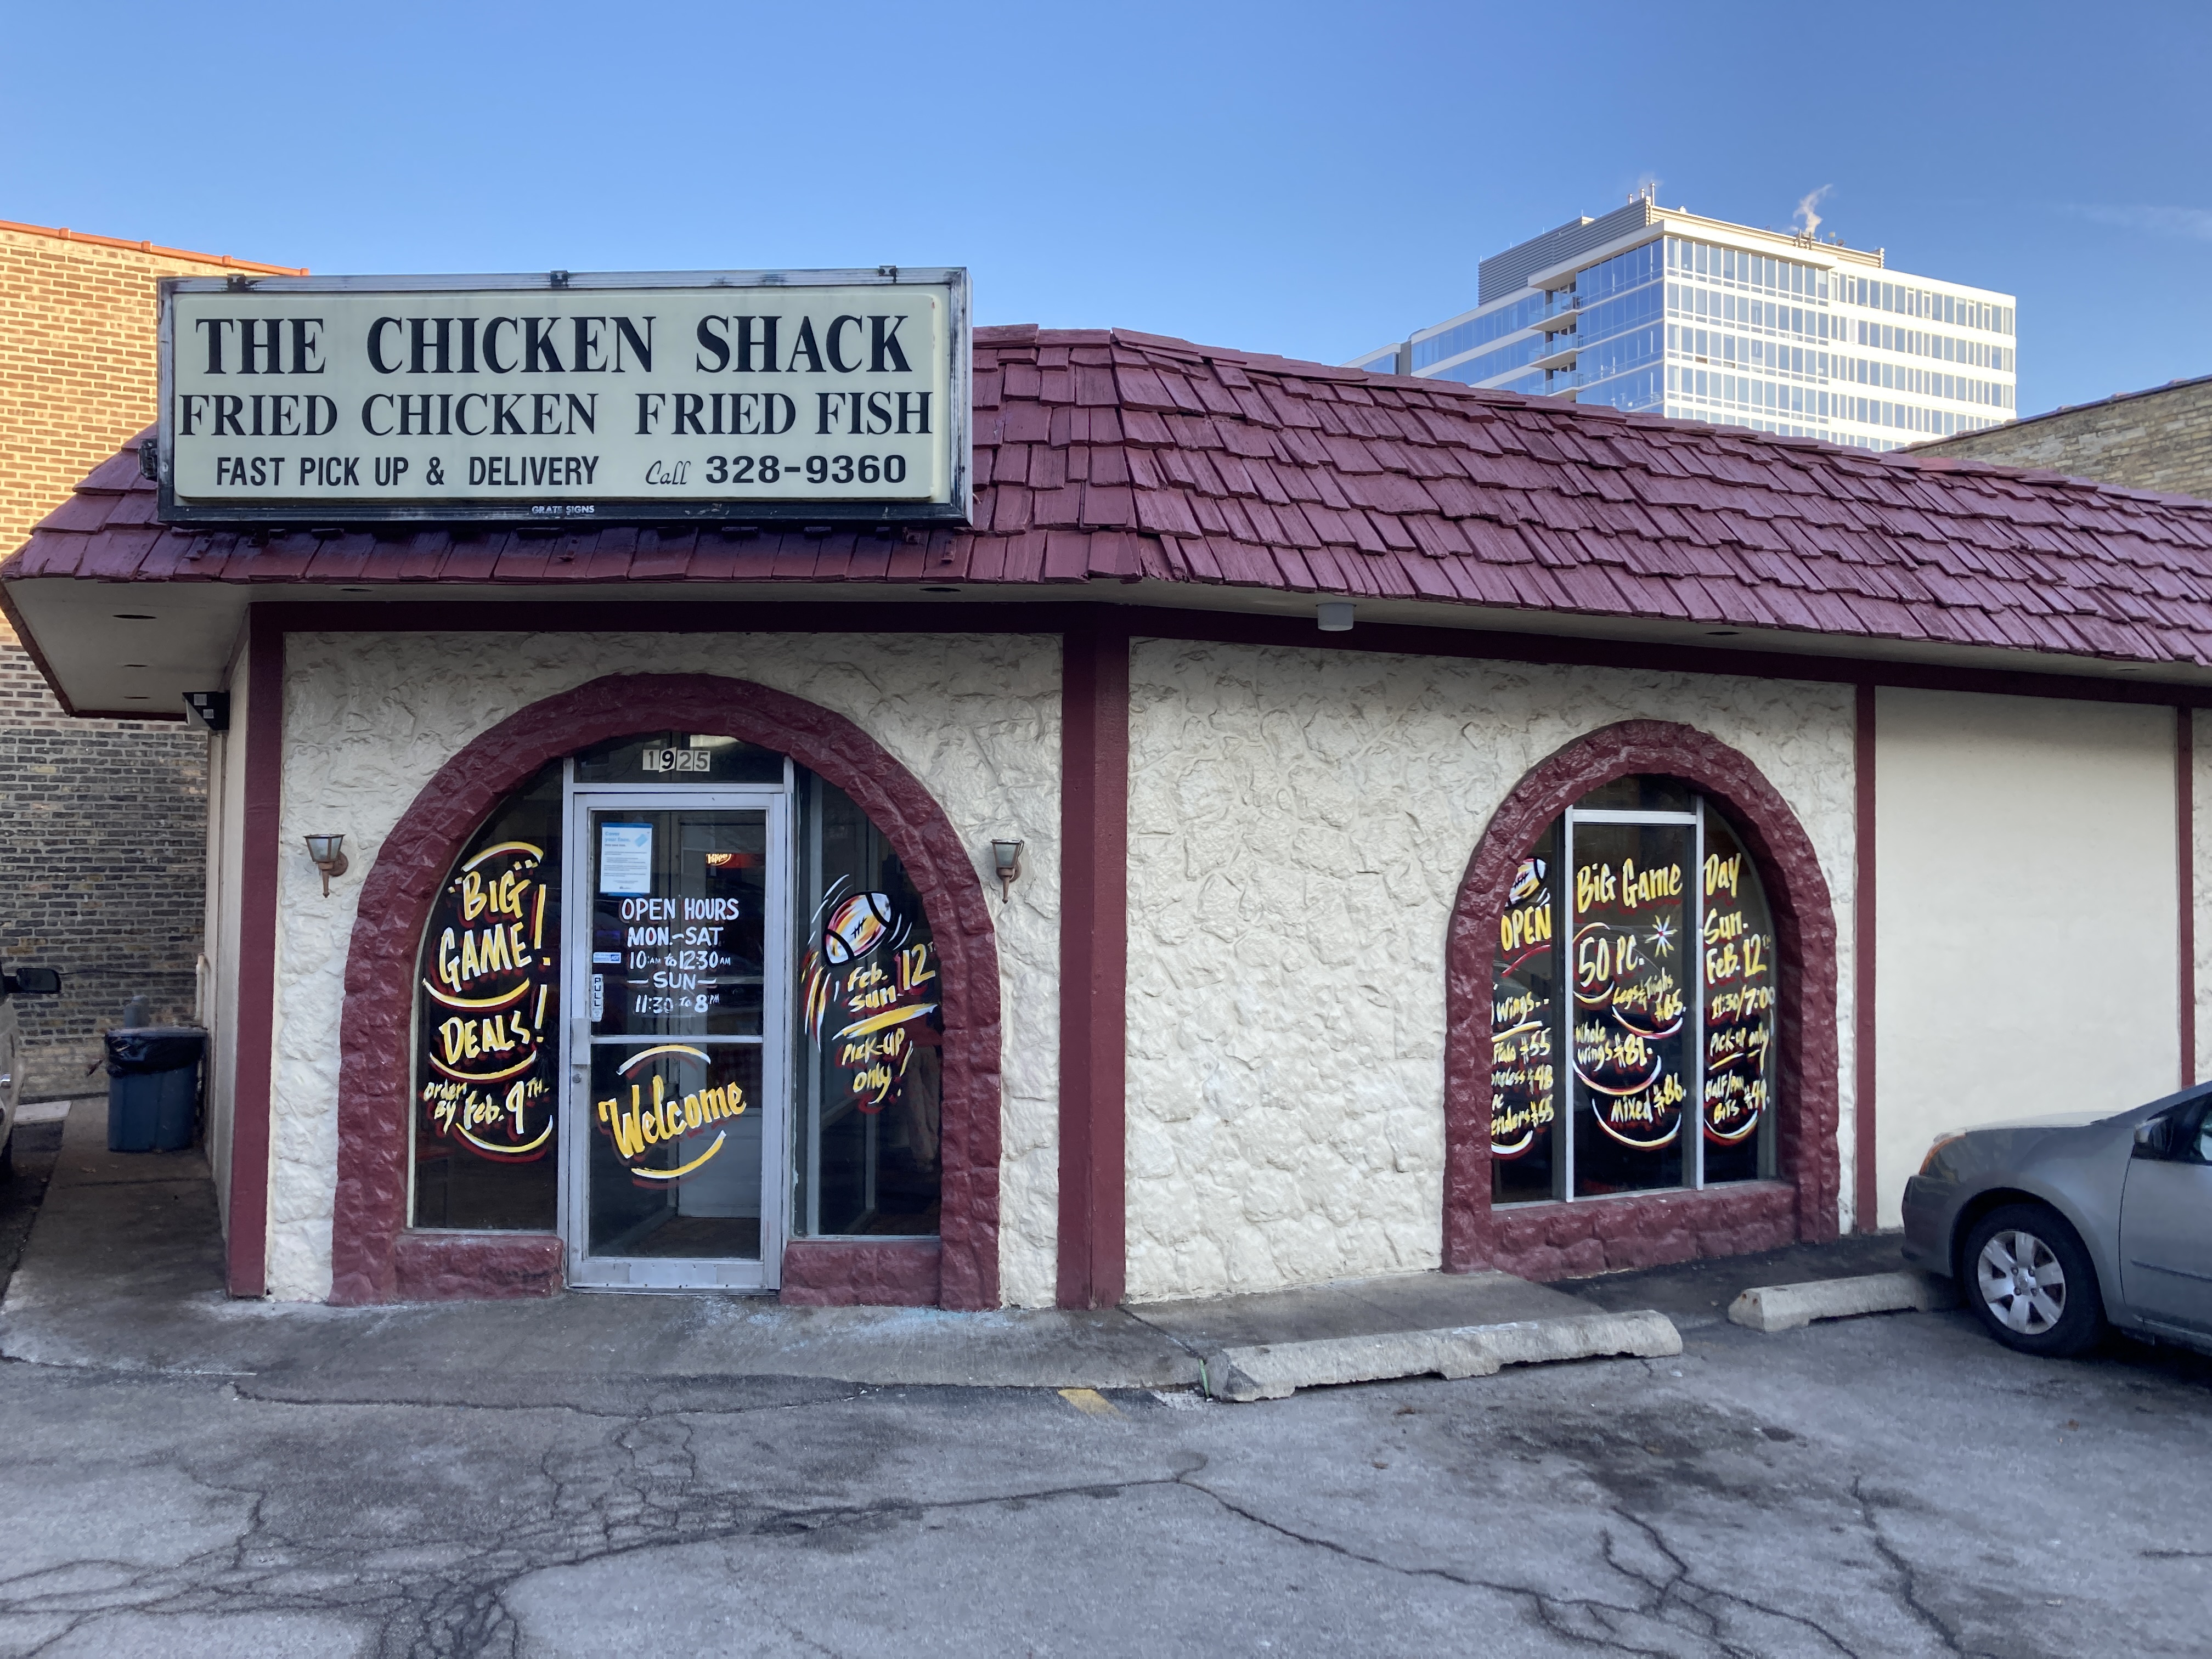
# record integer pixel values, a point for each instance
(1806, 204)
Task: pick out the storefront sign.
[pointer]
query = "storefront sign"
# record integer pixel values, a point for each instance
(1739, 968)
(871, 987)
(1523, 1069)
(668, 1094)
(1630, 1001)
(840, 396)
(490, 980)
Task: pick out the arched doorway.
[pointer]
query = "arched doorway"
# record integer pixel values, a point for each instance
(1653, 1133)
(376, 1258)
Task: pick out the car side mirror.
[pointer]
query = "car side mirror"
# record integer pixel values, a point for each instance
(33, 982)
(2151, 1137)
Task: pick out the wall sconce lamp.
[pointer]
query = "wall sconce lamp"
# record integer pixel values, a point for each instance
(1006, 860)
(328, 853)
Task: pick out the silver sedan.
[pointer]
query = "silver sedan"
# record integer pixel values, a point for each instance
(2054, 1230)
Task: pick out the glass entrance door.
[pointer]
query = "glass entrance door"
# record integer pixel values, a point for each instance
(675, 1130)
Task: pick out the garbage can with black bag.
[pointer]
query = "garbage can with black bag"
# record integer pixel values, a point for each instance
(154, 1087)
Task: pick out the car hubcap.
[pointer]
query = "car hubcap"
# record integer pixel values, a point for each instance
(2022, 1282)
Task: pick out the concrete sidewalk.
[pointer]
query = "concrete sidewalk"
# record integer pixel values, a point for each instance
(123, 1272)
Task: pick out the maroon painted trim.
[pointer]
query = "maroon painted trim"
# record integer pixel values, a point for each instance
(1866, 1191)
(1620, 1232)
(2184, 828)
(843, 1272)
(261, 829)
(591, 612)
(1094, 956)
(374, 1117)
(1608, 1235)
(476, 1266)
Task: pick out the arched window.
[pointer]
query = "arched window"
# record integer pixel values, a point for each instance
(1634, 1014)
(735, 1039)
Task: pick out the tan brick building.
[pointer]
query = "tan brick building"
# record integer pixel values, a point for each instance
(2159, 440)
(101, 820)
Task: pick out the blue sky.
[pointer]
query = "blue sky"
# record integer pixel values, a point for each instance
(1311, 180)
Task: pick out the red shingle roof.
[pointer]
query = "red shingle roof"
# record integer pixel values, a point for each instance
(1111, 454)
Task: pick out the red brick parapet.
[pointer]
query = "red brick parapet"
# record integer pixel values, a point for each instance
(1554, 1241)
(374, 1258)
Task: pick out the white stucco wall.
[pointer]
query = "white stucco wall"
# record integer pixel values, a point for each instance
(1300, 821)
(2027, 941)
(369, 718)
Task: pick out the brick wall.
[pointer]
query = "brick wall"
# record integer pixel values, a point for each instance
(102, 822)
(2159, 440)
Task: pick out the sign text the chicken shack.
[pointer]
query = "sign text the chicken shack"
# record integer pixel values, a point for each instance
(750, 395)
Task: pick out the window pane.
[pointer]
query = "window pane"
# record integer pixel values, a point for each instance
(1630, 899)
(871, 1054)
(1524, 1076)
(1643, 793)
(678, 923)
(676, 1150)
(1738, 948)
(488, 996)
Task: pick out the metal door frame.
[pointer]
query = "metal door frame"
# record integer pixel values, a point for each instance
(585, 1272)
(1693, 917)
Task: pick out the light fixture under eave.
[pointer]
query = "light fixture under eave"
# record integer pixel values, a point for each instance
(1006, 860)
(1334, 616)
(328, 853)
(210, 710)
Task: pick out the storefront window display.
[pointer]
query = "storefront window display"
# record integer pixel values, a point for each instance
(871, 1046)
(1634, 997)
(487, 1026)
(748, 932)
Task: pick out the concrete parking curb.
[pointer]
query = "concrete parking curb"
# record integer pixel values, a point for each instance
(1787, 1307)
(1274, 1370)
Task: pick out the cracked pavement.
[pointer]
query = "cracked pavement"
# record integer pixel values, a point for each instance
(1885, 1486)
(1891, 1487)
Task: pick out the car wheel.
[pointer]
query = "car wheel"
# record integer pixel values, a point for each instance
(2029, 1280)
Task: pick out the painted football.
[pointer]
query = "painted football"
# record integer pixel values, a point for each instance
(856, 927)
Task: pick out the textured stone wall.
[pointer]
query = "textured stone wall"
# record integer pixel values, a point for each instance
(101, 821)
(369, 718)
(2159, 440)
(1299, 824)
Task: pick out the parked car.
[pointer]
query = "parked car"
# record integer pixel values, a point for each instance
(23, 982)
(2054, 1230)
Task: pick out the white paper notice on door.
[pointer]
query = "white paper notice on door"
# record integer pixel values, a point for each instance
(625, 860)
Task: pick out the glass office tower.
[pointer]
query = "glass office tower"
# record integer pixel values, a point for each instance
(1660, 310)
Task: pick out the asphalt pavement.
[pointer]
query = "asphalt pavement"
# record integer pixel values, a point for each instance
(1888, 1486)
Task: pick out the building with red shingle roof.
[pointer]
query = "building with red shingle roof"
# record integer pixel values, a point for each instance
(1306, 824)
